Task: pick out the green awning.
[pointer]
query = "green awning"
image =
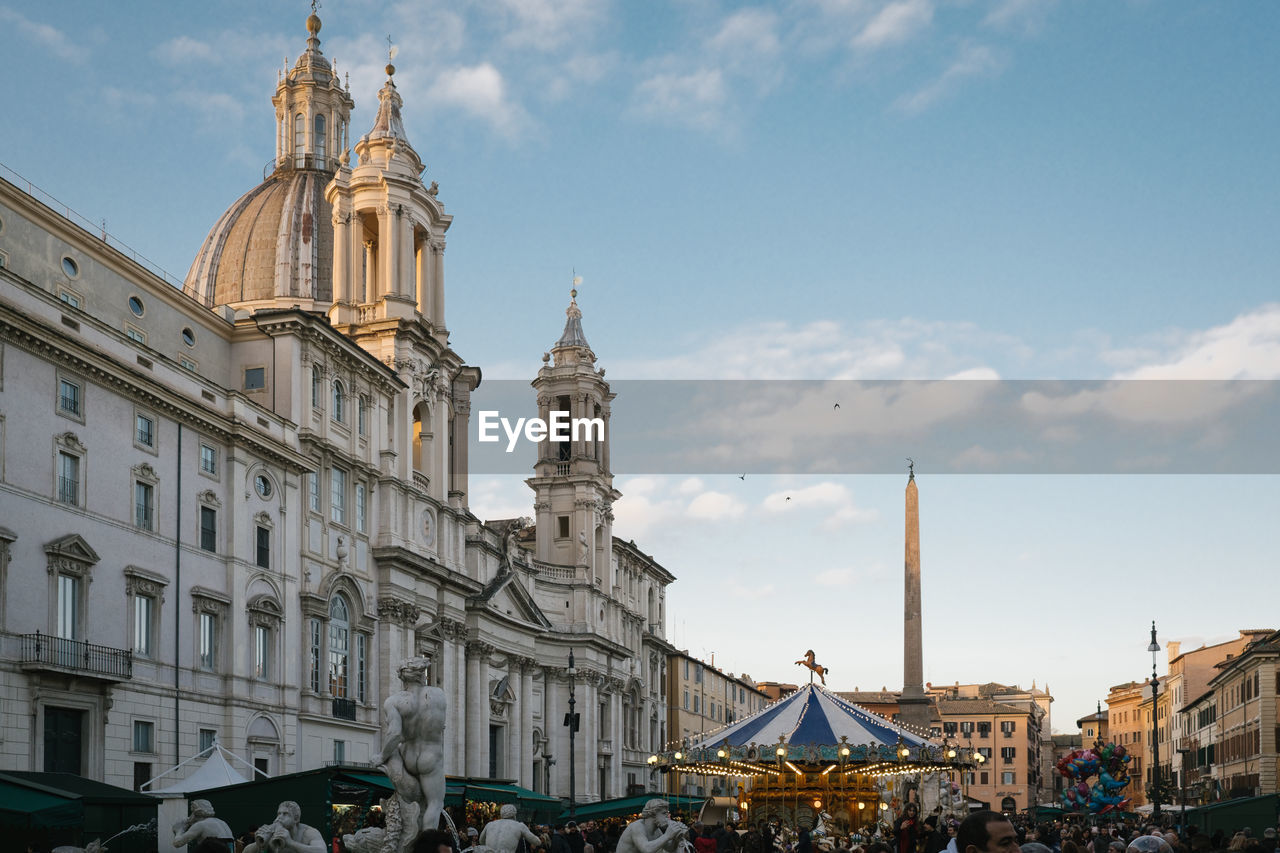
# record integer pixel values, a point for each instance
(30, 808)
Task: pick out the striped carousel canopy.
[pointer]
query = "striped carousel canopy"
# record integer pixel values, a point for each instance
(812, 716)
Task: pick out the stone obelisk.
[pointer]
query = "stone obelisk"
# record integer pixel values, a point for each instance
(913, 705)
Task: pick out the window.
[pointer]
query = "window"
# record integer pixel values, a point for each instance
(318, 136)
(144, 609)
(207, 739)
(339, 639)
(144, 736)
(68, 478)
(562, 532)
(362, 415)
(69, 397)
(313, 491)
(1008, 777)
(338, 495)
(362, 522)
(68, 607)
(255, 378)
(315, 655)
(144, 431)
(144, 505)
(208, 528)
(261, 651)
(339, 412)
(262, 546)
(208, 641)
(209, 460)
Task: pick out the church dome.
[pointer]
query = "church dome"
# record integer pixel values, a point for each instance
(274, 242)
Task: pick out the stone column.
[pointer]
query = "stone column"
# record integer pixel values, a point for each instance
(478, 709)
(437, 284)
(524, 750)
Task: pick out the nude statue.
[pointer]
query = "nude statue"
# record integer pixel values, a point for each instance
(653, 831)
(288, 834)
(413, 750)
(200, 825)
(504, 834)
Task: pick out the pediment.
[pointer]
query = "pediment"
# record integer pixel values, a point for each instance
(72, 547)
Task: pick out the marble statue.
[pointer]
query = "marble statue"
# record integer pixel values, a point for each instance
(413, 752)
(288, 834)
(201, 825)
(503, 835)
(654, 830)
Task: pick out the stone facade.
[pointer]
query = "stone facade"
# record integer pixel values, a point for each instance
(230, 510)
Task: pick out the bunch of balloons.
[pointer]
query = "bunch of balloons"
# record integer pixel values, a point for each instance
(1109, 763)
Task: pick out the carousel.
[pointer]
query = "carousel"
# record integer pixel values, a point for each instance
(817, 761)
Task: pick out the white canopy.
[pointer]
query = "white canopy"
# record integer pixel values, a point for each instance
(214, 773)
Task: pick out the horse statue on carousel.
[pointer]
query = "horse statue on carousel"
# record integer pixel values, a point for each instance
(820, 670)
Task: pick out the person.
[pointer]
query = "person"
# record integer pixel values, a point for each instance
(506, 833)
(289, 832)
(906, 827)
(654, 830)
(413, 750)
(202, 824)
(986, 832)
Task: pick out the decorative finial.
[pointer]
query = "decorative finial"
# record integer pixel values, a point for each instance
(392, 50)
(911, 469)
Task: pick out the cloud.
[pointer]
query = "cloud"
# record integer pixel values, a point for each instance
(51, 38)
(183, 49)
(480, 91)
(694, 98)
(896, 22)
(1248, 347)
(973, 60)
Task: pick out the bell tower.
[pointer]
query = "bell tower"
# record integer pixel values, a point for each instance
(572, 482)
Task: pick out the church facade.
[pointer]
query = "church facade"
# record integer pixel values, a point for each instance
(228, 511)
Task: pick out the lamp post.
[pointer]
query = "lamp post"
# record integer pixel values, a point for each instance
(571, 720)
(1154, 648)
(1183, 779)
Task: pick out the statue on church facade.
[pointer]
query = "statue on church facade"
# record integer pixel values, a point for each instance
(413, 752)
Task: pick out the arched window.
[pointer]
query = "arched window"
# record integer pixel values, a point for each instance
(339, 407)
(319, 138)
(299, 139)
(339, 645)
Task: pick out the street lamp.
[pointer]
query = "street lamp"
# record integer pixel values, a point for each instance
(571, 720)
(1183, 779)
(1154, 648)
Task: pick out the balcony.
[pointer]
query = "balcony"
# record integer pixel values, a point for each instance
(75, 657)
(344, 709)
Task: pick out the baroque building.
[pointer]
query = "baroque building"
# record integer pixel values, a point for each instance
(229, 510)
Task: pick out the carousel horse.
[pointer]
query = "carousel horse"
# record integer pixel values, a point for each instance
(818, 668)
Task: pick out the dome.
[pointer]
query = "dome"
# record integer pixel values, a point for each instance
(275, 242)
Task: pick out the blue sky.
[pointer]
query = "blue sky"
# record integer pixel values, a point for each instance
(808, 189)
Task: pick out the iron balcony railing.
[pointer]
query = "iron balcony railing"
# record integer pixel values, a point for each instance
(76, 655)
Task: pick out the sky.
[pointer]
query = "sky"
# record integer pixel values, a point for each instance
(816, 189)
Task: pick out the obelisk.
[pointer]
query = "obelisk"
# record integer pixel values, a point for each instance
(913, 705)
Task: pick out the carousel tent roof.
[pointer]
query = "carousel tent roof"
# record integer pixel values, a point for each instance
(811, 715)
